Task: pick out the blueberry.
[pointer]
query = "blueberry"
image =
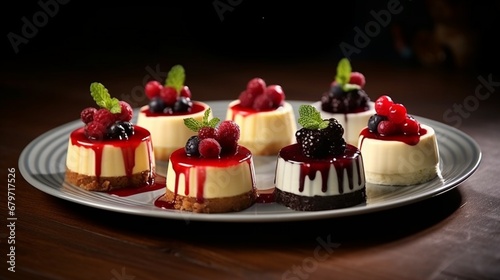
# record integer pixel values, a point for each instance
(374, 121)
(183, 104)
(156, 105)
(191, 147)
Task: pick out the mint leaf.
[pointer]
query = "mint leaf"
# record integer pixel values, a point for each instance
(195, 124)
(343, 72)
(176, 77)
(103, 99)
(310, 118)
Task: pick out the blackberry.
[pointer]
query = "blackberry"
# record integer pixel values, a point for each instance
(191, 146)
(116, 131)
(338, 101)
(320, 143)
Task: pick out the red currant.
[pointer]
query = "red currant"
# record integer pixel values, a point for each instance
(411, 126)
(277, 95)
(383, 104)
(168, 95)
(397, 113)
(186, 92)
(152, 89)
(386, 128)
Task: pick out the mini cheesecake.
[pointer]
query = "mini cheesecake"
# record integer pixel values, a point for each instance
(347, 102)
(266, 120)
(211, 185)
(400, 160)
(306, 184)
(397, 149)
(320, 171)
(104, 165)
(264, 132)
(108, 152)
(167, 129)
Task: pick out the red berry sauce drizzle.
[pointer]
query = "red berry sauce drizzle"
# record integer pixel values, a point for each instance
(308, 167)
(407, 139)
(128, 147)
(197, 107)
(183, 164)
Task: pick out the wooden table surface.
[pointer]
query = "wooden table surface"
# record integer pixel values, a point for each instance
(455, 235)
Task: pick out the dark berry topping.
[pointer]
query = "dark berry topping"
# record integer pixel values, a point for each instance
(156, 105)
(183, 104)
(120, 130)
(191, 147)
(336, 100)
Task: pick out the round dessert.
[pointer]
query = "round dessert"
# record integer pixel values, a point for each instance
(396, 148)
(266, 120)
(169, 105)
(347, 102)
(321, 171)
(212, 173)
(109, 152)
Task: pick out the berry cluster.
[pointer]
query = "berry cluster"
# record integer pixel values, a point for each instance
(212, 139)
(172, 97)
(346, 94)
(261, 97)
(392, 119)
(319, 138)
(111, 121)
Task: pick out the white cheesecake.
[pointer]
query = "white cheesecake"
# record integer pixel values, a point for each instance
(264, 132)
(352, 122)
(211, 185)
(168, 131)
(306, 184)
(400, 159)
(104, 165)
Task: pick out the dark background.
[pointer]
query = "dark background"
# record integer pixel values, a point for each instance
(87, 34)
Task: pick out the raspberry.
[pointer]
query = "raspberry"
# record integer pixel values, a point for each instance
(87, 114)
(105, 117)
(358, 79)
(169, 96)
(262, 102)
(397, 113)
(152, 89)
(228, 136)
(186, 92)
(126, 112)
(411, 126)
(95, 130)
(207, 132)
(276, 94)
(256, 86)
(209, 148)
(383, 104)
(246, 99)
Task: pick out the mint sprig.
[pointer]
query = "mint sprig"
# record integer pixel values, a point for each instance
(310, 118)
(343, 76)
(103, 99)
(176, 77)
(195, 125)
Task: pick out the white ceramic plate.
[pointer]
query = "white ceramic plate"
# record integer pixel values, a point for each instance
(42, 164)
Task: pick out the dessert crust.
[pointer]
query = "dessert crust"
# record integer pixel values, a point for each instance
(211, 205)
(102, 184)
(318, 203)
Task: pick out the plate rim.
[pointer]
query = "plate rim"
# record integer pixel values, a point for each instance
(241, 217)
